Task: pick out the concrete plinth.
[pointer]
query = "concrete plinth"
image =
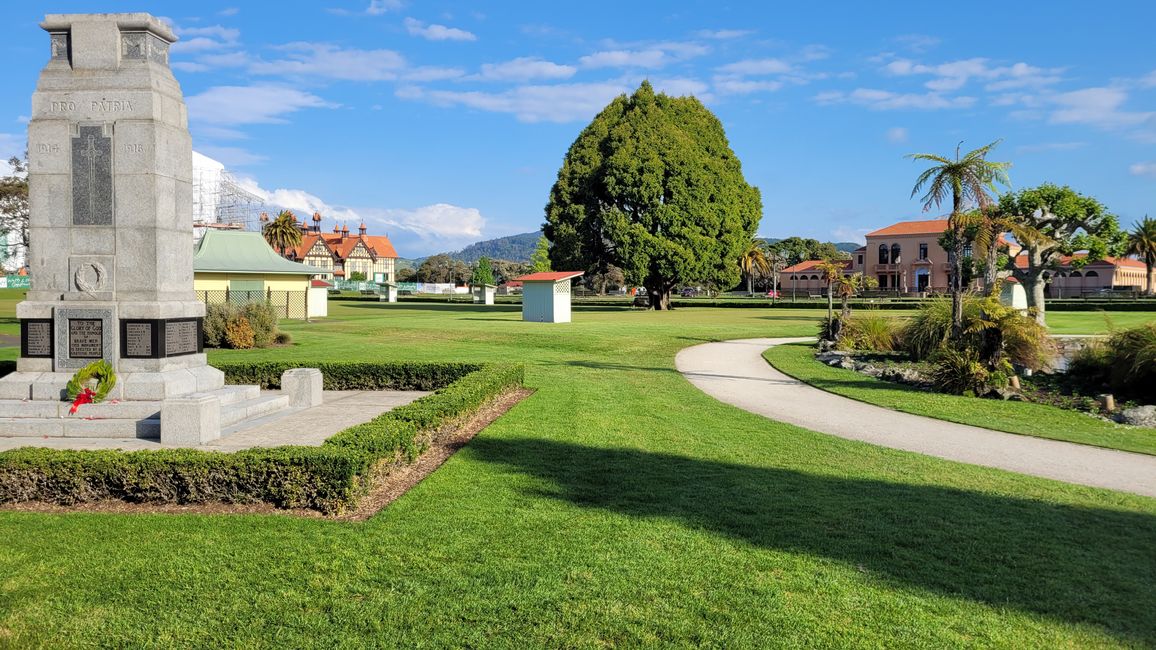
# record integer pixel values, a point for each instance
(302, 386)
(190, 420)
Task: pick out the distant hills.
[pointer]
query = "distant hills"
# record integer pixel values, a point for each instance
(519, 248)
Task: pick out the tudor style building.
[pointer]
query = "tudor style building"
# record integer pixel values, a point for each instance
(341, 254)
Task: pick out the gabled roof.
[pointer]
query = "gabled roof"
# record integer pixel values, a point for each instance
(236, 251)
(929, 227)
(549, 276)
(377, 245)
(813, 265)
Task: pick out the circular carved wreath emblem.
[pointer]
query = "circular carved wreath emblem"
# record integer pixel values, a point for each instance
(90, 277)
(99, 371)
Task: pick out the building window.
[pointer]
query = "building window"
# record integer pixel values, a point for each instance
(883, 257)
(895, 253)
(860, 260)
(923, 251)
(967, 250)
(882, 281)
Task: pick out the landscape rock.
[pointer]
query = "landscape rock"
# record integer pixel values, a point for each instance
(1139, 416)
(902, 376)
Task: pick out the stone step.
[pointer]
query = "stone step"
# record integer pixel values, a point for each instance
(121, 410)
(252, 408)
(78, 427)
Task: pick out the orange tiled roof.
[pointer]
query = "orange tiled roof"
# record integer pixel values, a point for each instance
(811, 265)
(1022, 261)
(929, 227)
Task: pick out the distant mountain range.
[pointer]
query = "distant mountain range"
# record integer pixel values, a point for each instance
(519, 248)
(845, 246)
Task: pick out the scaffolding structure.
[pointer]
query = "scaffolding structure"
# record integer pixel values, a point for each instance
(219, 201)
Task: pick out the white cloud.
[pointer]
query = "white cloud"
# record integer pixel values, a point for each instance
(441, 222)
(1149, 80)
(532, 103)
(229, 11)
(378, 7)
(954, 75)
(200, 39)
(897, 135)
(1098, 107)
(683, 87)
(740, 86)
(332, 62)
(1143, 169)
(435, 32)
(723, 34)
(525, 69)
(231, 156)
(259, 104)
(756, 67)
(653, 58)
(917, 43)
(883, 100)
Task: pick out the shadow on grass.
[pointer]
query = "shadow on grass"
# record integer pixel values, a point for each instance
(1081, 565)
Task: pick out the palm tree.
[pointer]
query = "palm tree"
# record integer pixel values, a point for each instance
(283, 233)
(1142, 244)
(777, 261)
(968, 180)
(849, 285)
(754, 260)
(830, 271)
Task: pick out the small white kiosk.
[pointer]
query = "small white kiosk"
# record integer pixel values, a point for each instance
(388, 292)
(546, 296)
(483, 293)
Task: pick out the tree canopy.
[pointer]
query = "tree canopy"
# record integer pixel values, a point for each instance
(1142, 244)
(483, 273)
(540, 259)
(283, 232)
(651, 186)
(797, 249)
(14, 202)
(1064, 222)
(442, 268)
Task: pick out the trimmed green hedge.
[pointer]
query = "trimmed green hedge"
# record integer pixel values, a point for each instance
(329, 478)
(342, 375)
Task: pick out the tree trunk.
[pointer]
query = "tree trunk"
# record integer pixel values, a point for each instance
(1034, 284)
(750, 284)
(830, 303)
(957, 286)
(1151, 280)
(846, 312)
(990, 275)
(659, 295)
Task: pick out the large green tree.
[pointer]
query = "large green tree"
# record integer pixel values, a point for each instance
(1142, 244)
(540, 259)
(798, 249)
(14, 204)
(442, 269)
(483, 273)
(1064, 222)
(651, 186)
(969, 181)
(753, 262)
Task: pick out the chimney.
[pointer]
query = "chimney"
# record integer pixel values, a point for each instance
(317, 222)
(344, 231)
(361, 230)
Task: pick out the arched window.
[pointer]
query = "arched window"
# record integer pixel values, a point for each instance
(895, 253)
(883, 257)
(814, 277)
(1091, 274)
(1075, 274)
(792, 278)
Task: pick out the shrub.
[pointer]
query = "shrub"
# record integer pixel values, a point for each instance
(958, 371)
(262, 319)
(238, 333)
(283, 338)
(992, 329)
(216, 318)
(328, 478)
(351, 375)
(929, 330)
(1125, 363)
(870, 331)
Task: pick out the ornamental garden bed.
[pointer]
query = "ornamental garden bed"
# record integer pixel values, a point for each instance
(331, 479)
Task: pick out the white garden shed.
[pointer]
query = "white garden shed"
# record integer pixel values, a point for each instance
(546, 296)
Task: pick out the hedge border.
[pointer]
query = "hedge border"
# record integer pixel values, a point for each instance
(329, 478)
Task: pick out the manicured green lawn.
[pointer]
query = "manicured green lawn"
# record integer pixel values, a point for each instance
(1042, 421)
(616, 506)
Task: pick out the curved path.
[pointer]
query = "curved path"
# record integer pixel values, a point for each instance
(736, 373)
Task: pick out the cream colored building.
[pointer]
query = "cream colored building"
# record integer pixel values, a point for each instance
(339, 254)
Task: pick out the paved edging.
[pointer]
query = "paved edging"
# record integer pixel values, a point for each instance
(736, 373)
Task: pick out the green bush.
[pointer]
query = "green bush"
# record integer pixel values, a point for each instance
(350, 375)
(283, 338)
(994, 330)
(216, 318)
(263, 319)
(958, 371)
(1125, 364)
(871, 331)
(928, 330)
(328, 478)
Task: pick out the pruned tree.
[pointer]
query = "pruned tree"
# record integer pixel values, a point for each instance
(1064, 222)
(1142, 244)
(14, 205)
(652, 186)
(985, 228)
(968, 180)
(847, 286)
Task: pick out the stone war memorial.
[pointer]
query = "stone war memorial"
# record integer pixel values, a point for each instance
(111, 254)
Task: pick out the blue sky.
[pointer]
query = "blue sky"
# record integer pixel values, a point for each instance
(443, 123)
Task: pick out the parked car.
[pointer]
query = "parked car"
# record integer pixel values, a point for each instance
(688, 293)
(773, 294)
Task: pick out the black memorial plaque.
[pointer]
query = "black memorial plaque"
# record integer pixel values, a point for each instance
(183, 336)
(36, 338)
(140, 339)
(85, 338)
(91, 177)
